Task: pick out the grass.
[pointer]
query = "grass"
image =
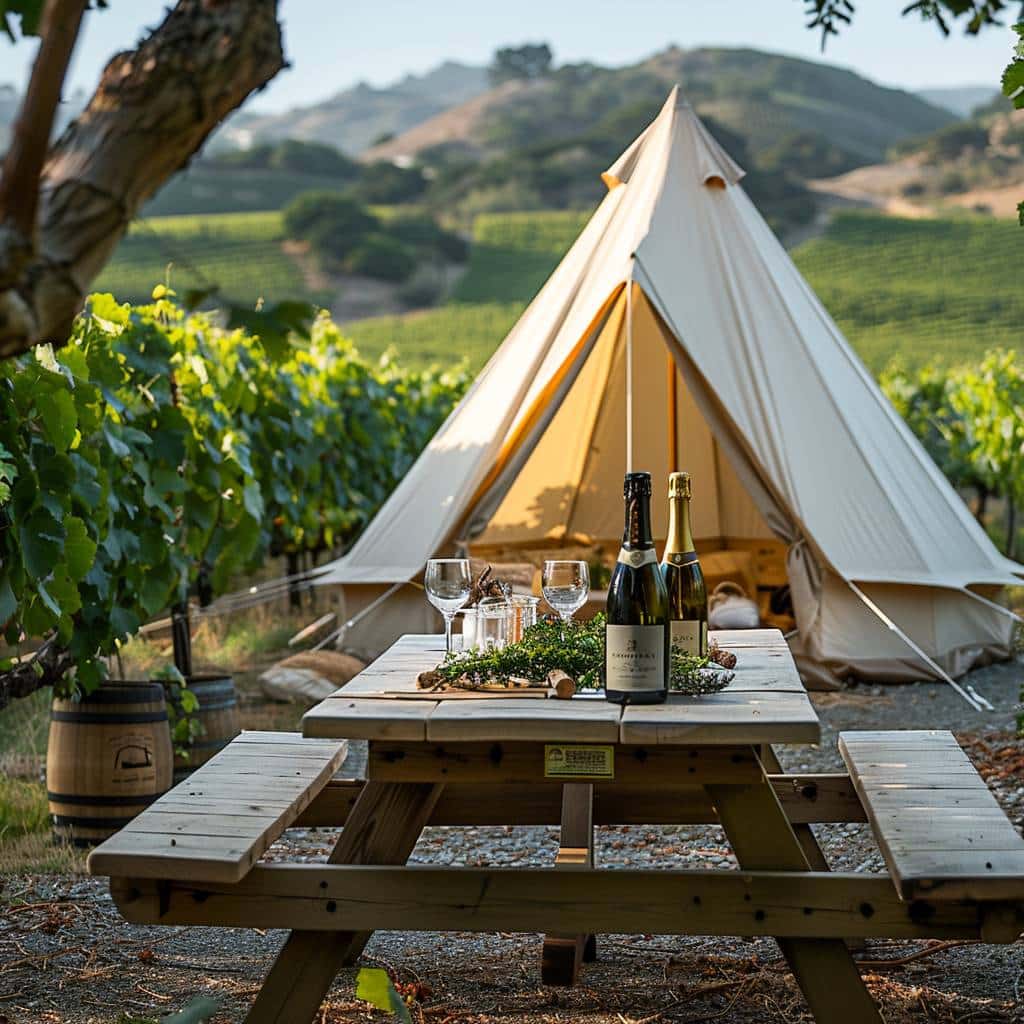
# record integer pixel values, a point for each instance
(920, 289)
(240, 253)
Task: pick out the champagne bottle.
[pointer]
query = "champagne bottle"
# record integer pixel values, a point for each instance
(687, 595)
(636, 661)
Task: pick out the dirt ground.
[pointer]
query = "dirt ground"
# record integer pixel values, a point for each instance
(67, 958)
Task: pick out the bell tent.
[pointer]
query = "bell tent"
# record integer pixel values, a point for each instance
(677, 334)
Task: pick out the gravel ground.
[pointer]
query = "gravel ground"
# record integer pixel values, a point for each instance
(67, 958)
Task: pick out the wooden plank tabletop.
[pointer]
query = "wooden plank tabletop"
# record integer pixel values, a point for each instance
(765, 703)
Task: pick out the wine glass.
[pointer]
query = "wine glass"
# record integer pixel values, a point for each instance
(448, 583)
(566, 586)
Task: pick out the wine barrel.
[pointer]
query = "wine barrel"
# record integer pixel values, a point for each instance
(217, 714)
(109, 757)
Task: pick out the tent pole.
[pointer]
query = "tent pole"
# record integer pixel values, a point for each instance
(992, 604)
(629, 371)
(673, 432)
(345, 626)
(973, 699)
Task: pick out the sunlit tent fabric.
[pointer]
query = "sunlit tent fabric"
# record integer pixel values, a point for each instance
(677, 333)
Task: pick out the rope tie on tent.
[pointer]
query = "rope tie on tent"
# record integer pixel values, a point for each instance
(975, 699)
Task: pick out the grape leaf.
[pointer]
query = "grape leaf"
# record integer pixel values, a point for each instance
(79, 548)
(57, 410)
(42, 541)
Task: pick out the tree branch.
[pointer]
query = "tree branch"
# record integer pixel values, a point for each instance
(30, 139)
(152, 111)
(46, 667)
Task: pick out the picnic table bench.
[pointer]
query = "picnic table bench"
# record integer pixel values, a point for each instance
(956, 864)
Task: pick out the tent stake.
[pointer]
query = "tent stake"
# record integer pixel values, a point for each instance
(974, 700)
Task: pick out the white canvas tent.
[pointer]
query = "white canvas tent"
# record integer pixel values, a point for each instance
(764, 402)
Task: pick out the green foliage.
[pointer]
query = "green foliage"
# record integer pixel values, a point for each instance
(373, 984)
(313, 158)
(385, 182)
(970, 419)
(319, 215)
(157, 454)
(379, 256)
(531, 60)
(348, 236)
(23, 808)
(990, 400)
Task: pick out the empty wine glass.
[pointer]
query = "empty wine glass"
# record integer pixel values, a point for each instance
(448, 583)
(566, 587)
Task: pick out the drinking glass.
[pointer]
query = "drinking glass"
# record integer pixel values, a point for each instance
(448, 583)
(566, 587)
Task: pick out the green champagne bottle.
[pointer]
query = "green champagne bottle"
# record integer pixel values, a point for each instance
(687, 594)
(636, 642)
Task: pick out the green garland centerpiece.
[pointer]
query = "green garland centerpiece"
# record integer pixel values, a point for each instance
(576, 649)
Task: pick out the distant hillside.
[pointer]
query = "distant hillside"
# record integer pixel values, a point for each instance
(762, 96)
(542, 143)
(977, 164)
(356, 118)
(962, 100)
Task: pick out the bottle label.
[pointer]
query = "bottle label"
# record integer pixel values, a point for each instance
(681, 557)
(635, 657)
(637, 557)
(691, 636)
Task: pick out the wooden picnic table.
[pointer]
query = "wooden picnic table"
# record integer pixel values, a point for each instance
(576, 763)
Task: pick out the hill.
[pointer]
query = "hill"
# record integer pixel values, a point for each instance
(895, 287)
(354, 119)
(976, 164)
(762, 96)
(961, 100)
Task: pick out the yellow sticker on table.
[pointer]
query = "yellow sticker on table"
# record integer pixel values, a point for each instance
(579, 761)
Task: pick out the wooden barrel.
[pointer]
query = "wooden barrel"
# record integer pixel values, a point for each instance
(108, 758)
(217, 714)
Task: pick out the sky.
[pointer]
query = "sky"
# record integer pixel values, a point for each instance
(333, 45)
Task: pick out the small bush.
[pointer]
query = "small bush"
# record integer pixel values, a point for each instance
(322, 211)
(913, 189)
(424, 288)
(383, 257)
(951, 182)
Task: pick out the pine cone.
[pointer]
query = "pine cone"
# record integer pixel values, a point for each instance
(724, 658)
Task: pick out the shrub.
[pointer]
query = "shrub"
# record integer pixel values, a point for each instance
(327, 212)
(383, 257)
(385, 182)
(311, 158)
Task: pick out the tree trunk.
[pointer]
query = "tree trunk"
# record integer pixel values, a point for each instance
(1011, 527)
(983, 494)
(152, 111)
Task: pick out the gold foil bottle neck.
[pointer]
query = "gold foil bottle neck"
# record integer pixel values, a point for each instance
(679, 485)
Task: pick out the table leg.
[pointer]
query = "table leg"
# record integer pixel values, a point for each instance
(813, 852)
(564, 954)
(382, 828)
(763, 839)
